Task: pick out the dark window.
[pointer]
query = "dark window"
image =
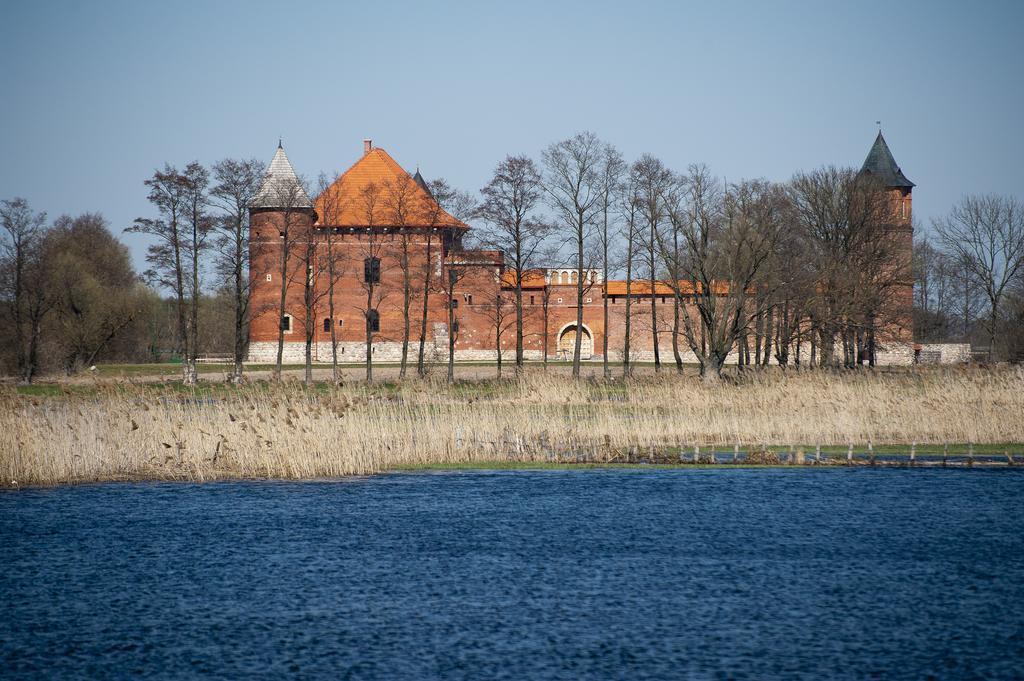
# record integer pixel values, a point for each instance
(455, 303)
(371, 270)
(531, 300)
(455, 326)
(327, 325)
(373, 321)
(341, 322)
(286, 323)
(469, 299)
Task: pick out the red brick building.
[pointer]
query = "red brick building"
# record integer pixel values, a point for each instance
(390, 241)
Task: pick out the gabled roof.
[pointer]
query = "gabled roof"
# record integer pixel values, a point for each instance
(281, 187)
(881, 165)
(347, 202)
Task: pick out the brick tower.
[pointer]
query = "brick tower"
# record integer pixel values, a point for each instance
(281, 207)
(897, 335)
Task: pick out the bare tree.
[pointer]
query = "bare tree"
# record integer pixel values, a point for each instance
(611, 170)
(572, 184)
(195, 180)
(729, 237)
(370, 204)
(842, 215)
(331, 205)
(508, 204)
(500, 313)
(986, 235)
(630, 209)
(456, 273)
(400, 203)
(23, 261)
(237, 182)
(654, 181)
(291, 203)
(461, 206)
(168, 258)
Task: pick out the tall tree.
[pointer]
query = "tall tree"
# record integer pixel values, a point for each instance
(332, 264)
(23, 261)
(400, 203)
(986, 235)
(654, 180)
(842, 216)
(611, 170)
(572, 184)
(460, 205)
(729, 240)
(629, 207)
(291, 202)
(236, 184)
(508, 205)
(370, 206)
(168, 258)
(97, 293)
(195, 179)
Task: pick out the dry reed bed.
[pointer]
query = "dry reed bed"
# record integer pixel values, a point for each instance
(134, 432)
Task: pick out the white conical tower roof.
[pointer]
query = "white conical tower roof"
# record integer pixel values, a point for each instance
(281, 187)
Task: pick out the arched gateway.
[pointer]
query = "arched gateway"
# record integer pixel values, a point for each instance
(567, 342)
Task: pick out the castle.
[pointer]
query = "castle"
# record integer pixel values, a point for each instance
(378, 239)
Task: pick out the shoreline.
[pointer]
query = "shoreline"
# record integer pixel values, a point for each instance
(482, 466)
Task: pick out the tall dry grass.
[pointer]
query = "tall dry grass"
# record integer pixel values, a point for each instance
(126, 431)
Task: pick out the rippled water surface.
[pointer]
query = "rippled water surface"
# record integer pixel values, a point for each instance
(622, 574)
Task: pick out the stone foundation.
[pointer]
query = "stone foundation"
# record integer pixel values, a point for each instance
(355, 353)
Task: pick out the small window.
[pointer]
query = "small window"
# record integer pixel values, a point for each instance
(341, 323)
(455, 303)
(531, 300)
(286, 323)
(455, 326)
(373, 321)
(469, 298)
(327, 324)
(663, 299)
(270, 277)
(281, 234)
(371, 270)
(903, 209)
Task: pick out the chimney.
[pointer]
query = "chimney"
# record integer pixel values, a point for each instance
(367, 146)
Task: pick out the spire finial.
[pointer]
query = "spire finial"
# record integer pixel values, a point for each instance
(279, 143)
(879, 124)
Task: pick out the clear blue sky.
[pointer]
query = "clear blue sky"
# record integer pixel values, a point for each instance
(98, 94)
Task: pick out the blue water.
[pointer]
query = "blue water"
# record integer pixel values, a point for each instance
(625, 574)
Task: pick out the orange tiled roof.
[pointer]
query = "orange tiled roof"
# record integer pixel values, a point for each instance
(643, 288)
(478, 257)
(532, 279)
(343, 204)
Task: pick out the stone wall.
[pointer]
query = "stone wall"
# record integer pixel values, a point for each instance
(944, 353)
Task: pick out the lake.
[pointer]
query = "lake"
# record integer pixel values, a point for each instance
(605, 574)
